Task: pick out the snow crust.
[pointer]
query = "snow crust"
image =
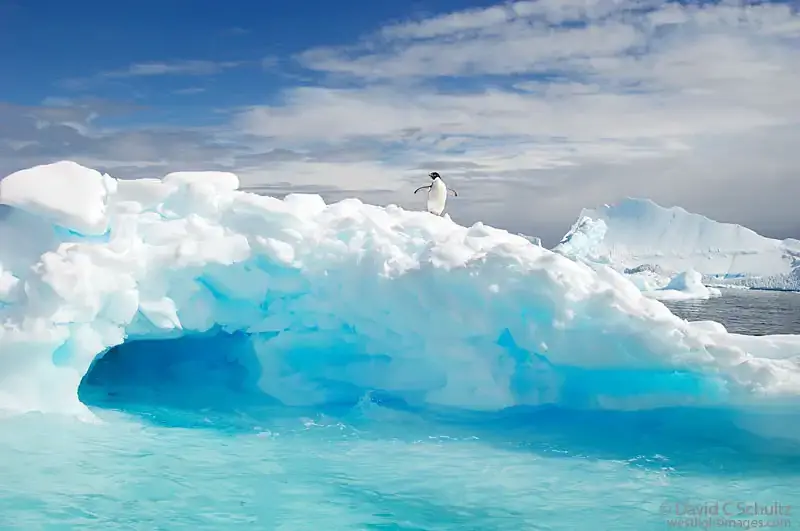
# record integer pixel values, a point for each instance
(344, 299)
(637, 233)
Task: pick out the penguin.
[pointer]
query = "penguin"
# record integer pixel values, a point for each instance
(437, 194)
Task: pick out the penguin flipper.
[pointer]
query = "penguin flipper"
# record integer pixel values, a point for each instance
(421, 188)
(454, 192)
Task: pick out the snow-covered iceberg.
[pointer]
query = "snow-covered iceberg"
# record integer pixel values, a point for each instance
(334, 301)
(637, 236)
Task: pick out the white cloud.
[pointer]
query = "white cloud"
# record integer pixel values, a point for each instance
(613, 94)
(474, 19)
(175, 68)
(532, 109)
(189, 91)
(520, 48)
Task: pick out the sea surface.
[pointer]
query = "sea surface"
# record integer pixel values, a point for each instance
(154, 463)
(745, 311)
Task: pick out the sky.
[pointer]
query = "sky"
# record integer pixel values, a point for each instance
(531, 110)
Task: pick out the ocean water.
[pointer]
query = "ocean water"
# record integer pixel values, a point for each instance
(173, 454)
(746, 311)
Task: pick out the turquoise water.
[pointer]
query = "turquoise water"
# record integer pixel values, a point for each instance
(170, 454)
(372, 468)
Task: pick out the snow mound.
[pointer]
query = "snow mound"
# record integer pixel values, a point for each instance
(65, 193)
(334, 301)
(684, 286)
(637, 232)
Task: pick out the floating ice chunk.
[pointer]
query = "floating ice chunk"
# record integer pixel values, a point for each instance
(638, 231)
(684, 286)
(337, 300)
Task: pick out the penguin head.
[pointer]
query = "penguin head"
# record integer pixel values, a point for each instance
(433, 175)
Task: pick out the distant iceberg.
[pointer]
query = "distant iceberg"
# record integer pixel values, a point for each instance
(683, 286)
(334, 301)
(653, 243)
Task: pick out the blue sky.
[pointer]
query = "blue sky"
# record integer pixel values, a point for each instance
(49, 44)
(532, 109)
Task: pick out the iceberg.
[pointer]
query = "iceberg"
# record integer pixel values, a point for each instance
(329, 302)
(638, 235)
(683, 286)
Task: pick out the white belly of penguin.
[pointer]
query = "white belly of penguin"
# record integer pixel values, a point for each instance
(437, 197)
